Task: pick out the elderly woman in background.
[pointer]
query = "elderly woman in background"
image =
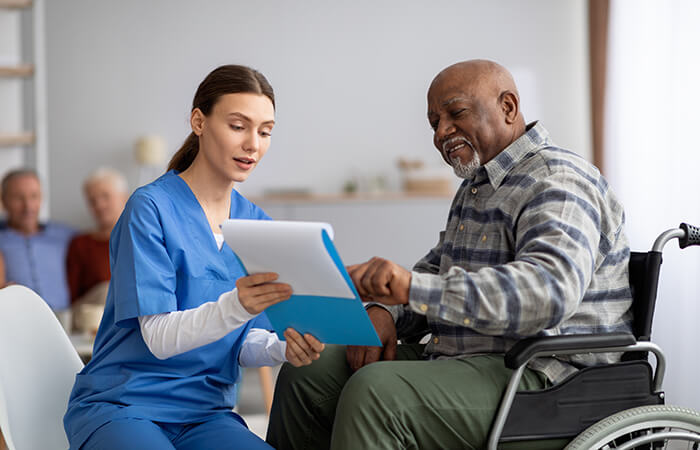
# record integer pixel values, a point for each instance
(106, 191)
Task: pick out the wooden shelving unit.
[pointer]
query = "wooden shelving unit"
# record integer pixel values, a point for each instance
(21, 70)
(379, 197)
(15, 4)
(23, 142)
(16, 139)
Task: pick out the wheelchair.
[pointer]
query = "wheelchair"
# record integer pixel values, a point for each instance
(615, 406)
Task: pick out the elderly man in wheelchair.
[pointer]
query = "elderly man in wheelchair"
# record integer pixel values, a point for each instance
(539, 316)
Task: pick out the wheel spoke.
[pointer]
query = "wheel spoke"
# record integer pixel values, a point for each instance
(644, 428)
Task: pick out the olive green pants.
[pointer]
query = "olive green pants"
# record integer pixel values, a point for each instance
(404, 404)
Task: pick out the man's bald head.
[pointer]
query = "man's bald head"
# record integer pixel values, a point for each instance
(474, 108)
(489, 76)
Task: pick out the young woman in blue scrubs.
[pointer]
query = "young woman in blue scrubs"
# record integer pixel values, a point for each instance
(175, 332)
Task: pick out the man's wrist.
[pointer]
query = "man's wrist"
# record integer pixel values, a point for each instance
(390, 309)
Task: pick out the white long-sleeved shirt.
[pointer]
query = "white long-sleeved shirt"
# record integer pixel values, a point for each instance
(176, 332)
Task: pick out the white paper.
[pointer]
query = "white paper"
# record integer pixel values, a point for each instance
(293, 250)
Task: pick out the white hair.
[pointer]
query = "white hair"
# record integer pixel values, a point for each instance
(108, 174)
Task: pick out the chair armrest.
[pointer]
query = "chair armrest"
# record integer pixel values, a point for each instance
(525, 349)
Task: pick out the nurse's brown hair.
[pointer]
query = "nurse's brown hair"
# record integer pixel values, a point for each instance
(228, 79)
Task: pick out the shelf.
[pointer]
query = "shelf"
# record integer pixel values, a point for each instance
(16, 139)
(15, 4)
(21, 70)
(348, 198)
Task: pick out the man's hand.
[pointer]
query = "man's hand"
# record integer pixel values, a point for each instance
(359, 356)
(380, 280)
(257, 292)
(301, 350)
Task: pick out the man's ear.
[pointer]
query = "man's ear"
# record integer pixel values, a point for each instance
(197, 119)
(510, 105)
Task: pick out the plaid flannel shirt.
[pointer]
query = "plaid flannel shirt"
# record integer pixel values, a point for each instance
(534, 245)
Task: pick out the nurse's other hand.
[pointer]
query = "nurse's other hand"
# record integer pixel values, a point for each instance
(257, 292)
(302, 350)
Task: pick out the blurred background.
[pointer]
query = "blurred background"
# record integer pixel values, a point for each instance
(85, 84)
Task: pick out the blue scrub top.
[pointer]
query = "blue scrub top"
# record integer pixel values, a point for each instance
(163, 258)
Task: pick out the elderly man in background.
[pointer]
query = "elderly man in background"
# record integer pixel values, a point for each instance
(534, 245)
(34, 253)
(106, 191)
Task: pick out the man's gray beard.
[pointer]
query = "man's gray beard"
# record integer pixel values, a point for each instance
(466, 171)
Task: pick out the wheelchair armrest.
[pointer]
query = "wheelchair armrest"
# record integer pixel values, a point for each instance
(525, 349)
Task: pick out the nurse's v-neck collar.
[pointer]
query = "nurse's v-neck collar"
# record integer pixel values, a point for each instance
(219, 238)
(202, 215)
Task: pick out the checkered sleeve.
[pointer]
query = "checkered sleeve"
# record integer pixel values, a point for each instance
(557, 243)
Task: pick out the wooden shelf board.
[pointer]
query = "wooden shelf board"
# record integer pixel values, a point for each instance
(15, 4)
(21, 70)
(348, 198)
(16, 139)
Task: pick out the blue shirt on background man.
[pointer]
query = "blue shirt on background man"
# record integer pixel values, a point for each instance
(38, 261)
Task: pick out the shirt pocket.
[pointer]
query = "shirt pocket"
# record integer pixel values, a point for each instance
(490, 248)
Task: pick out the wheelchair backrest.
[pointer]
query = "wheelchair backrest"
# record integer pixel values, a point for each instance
(644, 268)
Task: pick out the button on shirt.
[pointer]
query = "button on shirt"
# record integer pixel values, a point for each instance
(534, 245)
(39, 261)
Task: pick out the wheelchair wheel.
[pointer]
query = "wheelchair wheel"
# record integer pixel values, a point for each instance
(645, 427)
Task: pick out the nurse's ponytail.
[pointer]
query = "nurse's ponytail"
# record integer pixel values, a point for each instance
(182, 159)
(228, 79)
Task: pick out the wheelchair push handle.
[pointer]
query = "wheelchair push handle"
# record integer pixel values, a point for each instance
(686, 234)
(692, 235)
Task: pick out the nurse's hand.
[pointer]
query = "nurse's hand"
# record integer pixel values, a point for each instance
(257, 292)
(302, 350)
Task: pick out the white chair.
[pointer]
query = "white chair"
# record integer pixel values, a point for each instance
(37, 370)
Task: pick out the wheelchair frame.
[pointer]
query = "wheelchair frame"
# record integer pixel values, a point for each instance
(527, 349)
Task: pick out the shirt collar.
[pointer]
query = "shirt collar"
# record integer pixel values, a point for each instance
(5, 227)
(535, 137)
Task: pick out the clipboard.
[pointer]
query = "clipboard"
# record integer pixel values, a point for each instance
(324, 302)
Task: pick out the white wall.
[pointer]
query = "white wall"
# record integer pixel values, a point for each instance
(654, 44)
(402, 231)
(350, 78)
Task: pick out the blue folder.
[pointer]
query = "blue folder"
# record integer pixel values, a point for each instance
(331, 320)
